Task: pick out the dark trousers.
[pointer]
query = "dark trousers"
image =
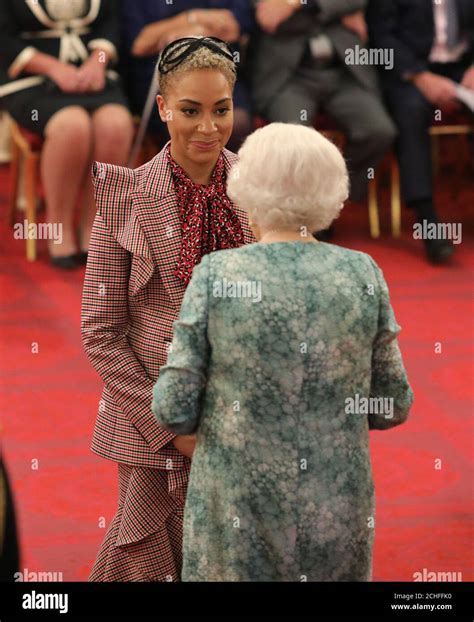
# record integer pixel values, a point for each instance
(9, 546)
(413, 115)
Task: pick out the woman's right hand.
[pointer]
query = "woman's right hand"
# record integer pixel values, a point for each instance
(218, 23)
(356, 23)
(65, 76)
(185, 444)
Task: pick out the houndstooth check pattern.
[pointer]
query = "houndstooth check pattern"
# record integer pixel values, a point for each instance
(130, 300)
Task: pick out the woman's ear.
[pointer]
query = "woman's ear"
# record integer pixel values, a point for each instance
(160, 102)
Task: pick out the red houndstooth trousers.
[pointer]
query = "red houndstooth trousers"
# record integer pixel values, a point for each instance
(144, 539)
(130, 299)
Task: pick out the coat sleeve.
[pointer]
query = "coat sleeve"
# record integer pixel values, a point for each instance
(333, 10)
(180, 386)
(135, 16)
(389, 377)
(243, 13)
(106, 29)
(104, 327)
(15, 52)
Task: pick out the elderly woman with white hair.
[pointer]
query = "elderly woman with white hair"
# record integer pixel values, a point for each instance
(284, 356)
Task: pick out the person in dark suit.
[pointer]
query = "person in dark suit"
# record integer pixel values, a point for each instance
(298, 67)
(56, 80)
(433, 43)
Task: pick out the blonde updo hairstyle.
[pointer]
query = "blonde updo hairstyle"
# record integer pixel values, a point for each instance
(201, 58)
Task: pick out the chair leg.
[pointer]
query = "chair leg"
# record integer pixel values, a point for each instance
(435, 153)
(31, 173)
(395, 199)
(374, 223)
(14, 179)
(463, 157)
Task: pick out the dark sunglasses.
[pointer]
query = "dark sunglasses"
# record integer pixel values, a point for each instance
(176, 51)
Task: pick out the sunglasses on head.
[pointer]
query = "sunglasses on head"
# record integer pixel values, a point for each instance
(176, 51)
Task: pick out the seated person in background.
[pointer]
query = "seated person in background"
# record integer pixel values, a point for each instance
(297, 66)
(433, 43)
(55, 81)
(148, 26)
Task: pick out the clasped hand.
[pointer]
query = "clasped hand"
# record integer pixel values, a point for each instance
(89, 77)
(185, 444)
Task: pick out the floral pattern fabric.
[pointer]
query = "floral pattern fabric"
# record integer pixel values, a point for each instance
(281, 484)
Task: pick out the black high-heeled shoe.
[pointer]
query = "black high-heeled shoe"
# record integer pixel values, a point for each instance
(65, 262)
(82, 257)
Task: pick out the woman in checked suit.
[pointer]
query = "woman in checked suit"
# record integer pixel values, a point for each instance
(153, 225)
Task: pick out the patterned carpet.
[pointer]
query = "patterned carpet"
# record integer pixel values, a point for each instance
(50, 399)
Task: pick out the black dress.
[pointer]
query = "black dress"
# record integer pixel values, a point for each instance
(67, 29)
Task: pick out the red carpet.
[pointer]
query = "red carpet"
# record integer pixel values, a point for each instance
(50, 400)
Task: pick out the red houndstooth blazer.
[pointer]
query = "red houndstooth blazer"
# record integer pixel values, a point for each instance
(130, 300)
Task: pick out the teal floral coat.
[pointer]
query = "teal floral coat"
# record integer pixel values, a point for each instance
(284, 356)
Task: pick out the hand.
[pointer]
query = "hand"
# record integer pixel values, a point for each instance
(218, 23)
(438, 90)
(356, 22)
(189, 30)
(185, 444)
(271, 13)
(64, 76)
(91, 74)
(468, 78)
(146, 44)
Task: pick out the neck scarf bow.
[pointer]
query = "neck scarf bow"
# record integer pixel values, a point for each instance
(208, 222)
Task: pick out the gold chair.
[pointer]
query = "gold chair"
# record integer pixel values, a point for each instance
(436, 131)
(26, 153)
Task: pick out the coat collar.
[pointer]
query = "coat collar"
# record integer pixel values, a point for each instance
(48, 22)
(155, 234)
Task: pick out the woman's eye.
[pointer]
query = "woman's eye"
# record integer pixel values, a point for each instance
(222, 111)
(189, 111)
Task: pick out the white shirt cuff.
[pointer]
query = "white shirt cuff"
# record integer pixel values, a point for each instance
(106, 45)
(21, 60)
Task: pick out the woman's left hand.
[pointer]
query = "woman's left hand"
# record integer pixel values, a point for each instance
(91, 74)
(271, 13)
(185, 444)
(357, 24)
(191, 30)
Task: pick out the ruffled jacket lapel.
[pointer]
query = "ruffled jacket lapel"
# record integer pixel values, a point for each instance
(140, 209)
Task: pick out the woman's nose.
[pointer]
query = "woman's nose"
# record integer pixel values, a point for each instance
(207, 125)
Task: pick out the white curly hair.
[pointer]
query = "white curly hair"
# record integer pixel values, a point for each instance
(289, 176)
